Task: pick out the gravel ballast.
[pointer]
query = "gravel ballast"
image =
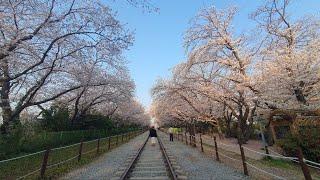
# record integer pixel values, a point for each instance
(196, 165)
(107, 164)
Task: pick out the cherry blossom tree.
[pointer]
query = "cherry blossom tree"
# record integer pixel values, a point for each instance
(289, 73)
(180, 99)
(132, 112)
(211, 38)
(114, 89)
(42, 42)
(229, 75)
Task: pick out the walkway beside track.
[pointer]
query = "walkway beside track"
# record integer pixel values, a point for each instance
(196, 165)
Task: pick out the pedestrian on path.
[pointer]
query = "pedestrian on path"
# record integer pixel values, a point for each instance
(170, 131)
(153, 135)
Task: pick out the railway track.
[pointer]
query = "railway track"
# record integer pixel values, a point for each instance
(150, 163)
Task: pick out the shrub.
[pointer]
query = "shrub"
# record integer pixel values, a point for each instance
(10, 143)
(96, 121)
(55, 119)
(309, 141)
(16, 144)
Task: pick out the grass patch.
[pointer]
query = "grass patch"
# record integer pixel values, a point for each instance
(279, 163)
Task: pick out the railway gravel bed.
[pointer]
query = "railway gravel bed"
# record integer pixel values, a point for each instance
(107, 164)
(150, 164)
(198, 166)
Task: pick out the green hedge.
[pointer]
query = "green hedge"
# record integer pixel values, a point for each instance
(18, 144)
(23, 166)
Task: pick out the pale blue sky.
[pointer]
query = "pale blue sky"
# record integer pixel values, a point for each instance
(159, 36)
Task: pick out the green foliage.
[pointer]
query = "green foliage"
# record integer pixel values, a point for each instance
(54, 129)
(9, 142)
(97, 122)
(279, 163)
(309, 140)
(18, 144)
(56, 119)
(234, 130)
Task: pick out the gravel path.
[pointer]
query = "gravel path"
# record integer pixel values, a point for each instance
(232, 145)
(196, 165)
(107, 164)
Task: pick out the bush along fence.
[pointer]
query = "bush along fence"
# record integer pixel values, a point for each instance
(269, 166)
(35, 142)
(53, 162)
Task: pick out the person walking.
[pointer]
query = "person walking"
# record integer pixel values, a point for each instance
(153, 135)
(170, 131)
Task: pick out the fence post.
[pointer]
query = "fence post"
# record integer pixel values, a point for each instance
(201, 143)
(80, 150)
(122, 138)
(303, 165)
(44, 163)
(243, 157)
(186, 138)
(266, 148)
(98, 145)
(182, 137)
(109, 143)
(190, 142)
(267, 151)
(117, 140)
(195, 141)
(216, 148)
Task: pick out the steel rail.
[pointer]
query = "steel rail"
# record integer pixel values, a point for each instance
(164, 153)
(126, 173)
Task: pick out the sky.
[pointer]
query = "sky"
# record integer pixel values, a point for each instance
(158, 44)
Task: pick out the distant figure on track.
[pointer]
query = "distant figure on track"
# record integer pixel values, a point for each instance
(153, 135)
(170, 131)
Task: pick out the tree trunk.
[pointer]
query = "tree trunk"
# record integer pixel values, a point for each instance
(219, 129)
(7, 112)
(242, 123)
(75, 116)
(194, 128)
(228, 131)
(228, 124)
